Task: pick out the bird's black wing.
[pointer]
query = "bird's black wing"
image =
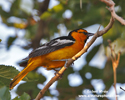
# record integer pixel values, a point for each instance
(53, 45)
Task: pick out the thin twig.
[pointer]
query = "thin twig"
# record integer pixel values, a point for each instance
(122, 88)
(81, 4)
(115, 62)
(111, 8)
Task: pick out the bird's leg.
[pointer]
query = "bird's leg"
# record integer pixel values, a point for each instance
(56, 72)
(66, 63)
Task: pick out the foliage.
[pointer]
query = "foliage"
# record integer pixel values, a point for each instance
(6, 73)
(92, 12)
(4, 93)
(10, 41)
(24, 96)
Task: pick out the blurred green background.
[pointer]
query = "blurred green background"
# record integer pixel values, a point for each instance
(26, 24)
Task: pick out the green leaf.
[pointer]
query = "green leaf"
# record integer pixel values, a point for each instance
(0, 40)
(51, 12)
(58, 8)
(16, 98)
(7, 71)
(45, 15)
(24, 96)
(28, 87)
(10, 41)
(34, 76)
(6, 74)
(1, 84)
(91, 54)
(4, 93)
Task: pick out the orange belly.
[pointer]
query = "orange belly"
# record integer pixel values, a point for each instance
(57, 58)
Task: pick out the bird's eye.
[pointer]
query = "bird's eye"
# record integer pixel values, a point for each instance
(85, 33)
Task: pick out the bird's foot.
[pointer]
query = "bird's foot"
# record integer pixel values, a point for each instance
(57, 72)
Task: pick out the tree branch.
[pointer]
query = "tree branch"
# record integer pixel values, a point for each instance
(122, 88)
(41, 31)
(115, 62)
(111, 5)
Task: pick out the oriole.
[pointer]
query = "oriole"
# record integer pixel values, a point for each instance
(54, 53)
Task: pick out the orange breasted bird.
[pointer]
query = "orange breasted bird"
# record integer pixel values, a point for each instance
(54, 54)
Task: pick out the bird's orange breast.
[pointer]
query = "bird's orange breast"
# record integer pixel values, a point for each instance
(57, 58)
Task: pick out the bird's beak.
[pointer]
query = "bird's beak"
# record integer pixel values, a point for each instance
(90, 34)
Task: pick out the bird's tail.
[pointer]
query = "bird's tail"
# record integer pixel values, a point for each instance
(20, 76)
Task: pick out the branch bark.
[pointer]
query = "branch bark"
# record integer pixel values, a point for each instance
(111, 6)
(41, 31)
(115, 62)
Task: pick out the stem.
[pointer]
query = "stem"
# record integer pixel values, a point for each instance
(114, 70)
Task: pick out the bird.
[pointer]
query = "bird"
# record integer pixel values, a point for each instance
(54, 54)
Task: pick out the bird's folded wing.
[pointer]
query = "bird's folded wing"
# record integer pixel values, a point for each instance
(53, 45)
